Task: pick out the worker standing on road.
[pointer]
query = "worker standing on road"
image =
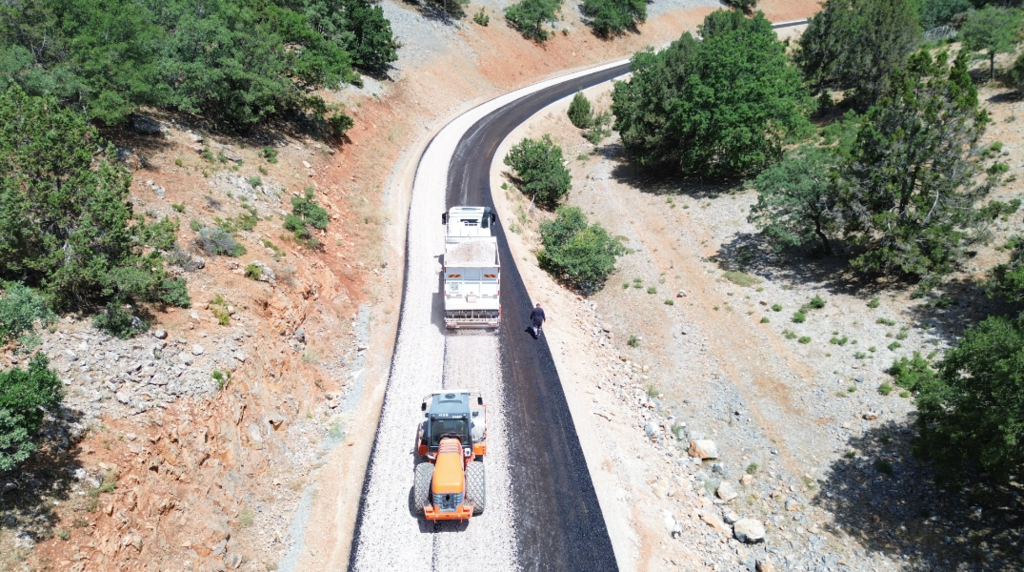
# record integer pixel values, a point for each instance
(537, 319)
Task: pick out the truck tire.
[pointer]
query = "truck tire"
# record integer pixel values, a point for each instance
(421, 485)
(476, 486)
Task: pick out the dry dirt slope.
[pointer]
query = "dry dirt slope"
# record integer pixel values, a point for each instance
(807, 438)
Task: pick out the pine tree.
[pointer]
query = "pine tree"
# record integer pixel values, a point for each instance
(580, 113)
(857, 45)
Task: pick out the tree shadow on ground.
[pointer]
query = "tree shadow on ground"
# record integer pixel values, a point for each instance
(662, 180)
(437, 11)
(942, 314)
(894, 505)
(28, 492)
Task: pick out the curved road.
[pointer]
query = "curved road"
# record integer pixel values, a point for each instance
(558, 522)
(547, 516)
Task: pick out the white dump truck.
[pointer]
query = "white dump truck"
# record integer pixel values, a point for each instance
(472, 275)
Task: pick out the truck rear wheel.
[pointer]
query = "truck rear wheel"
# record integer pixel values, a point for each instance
(421, 484)
(476, 486)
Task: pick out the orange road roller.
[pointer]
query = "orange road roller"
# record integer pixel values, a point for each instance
(451, 443)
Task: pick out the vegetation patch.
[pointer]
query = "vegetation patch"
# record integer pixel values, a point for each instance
(742, 278)
(581, 255)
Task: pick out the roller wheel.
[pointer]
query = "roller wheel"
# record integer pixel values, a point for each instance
(421, 485)
(476, 486)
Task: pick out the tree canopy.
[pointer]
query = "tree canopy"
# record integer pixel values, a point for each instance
(856, 45)
(795, 203)
(538, 166)
(611, 17)
(935, 13)
(993, 30)
(529, 17)
(970, 414)
(239, 61)
(910, 190)
(66, 224)
(580, 113)
(578, 253)
(26, 396)
(720, 107)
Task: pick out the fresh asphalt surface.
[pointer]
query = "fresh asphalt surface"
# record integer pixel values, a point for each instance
(559, 525)
(558, 521)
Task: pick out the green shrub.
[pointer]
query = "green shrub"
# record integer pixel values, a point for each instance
(599, 127)
(669, 302)
(838, 341)
(913, 373)
(310, 212)
(633, 341)
(26, 396)
(119, 321)
(20, 307)
(765, 320)
(217, 241)
(306, 211)
(799, 318)
(179, 208)
(481, 17)
(894, 346)
(538, 166)
(174, 292)
(580, 254)
(816, 303)
(255, 181)
(529, 17)
(885, 388)
(254, 271)
(752, 468)
(859, 355)
(270, 154)
(222, 378)
(219, 307)
(885, 321)
(580, 113)
(873, 303)
(652, 290)
(804, 340)
(776, 307)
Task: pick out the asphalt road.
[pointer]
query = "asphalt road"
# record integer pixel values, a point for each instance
(558, 522)
(549, 519)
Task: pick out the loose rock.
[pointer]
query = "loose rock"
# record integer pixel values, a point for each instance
(726, 491)
(703, 449)
(748, 530)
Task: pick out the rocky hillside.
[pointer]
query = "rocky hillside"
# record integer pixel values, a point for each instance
(201, 444)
